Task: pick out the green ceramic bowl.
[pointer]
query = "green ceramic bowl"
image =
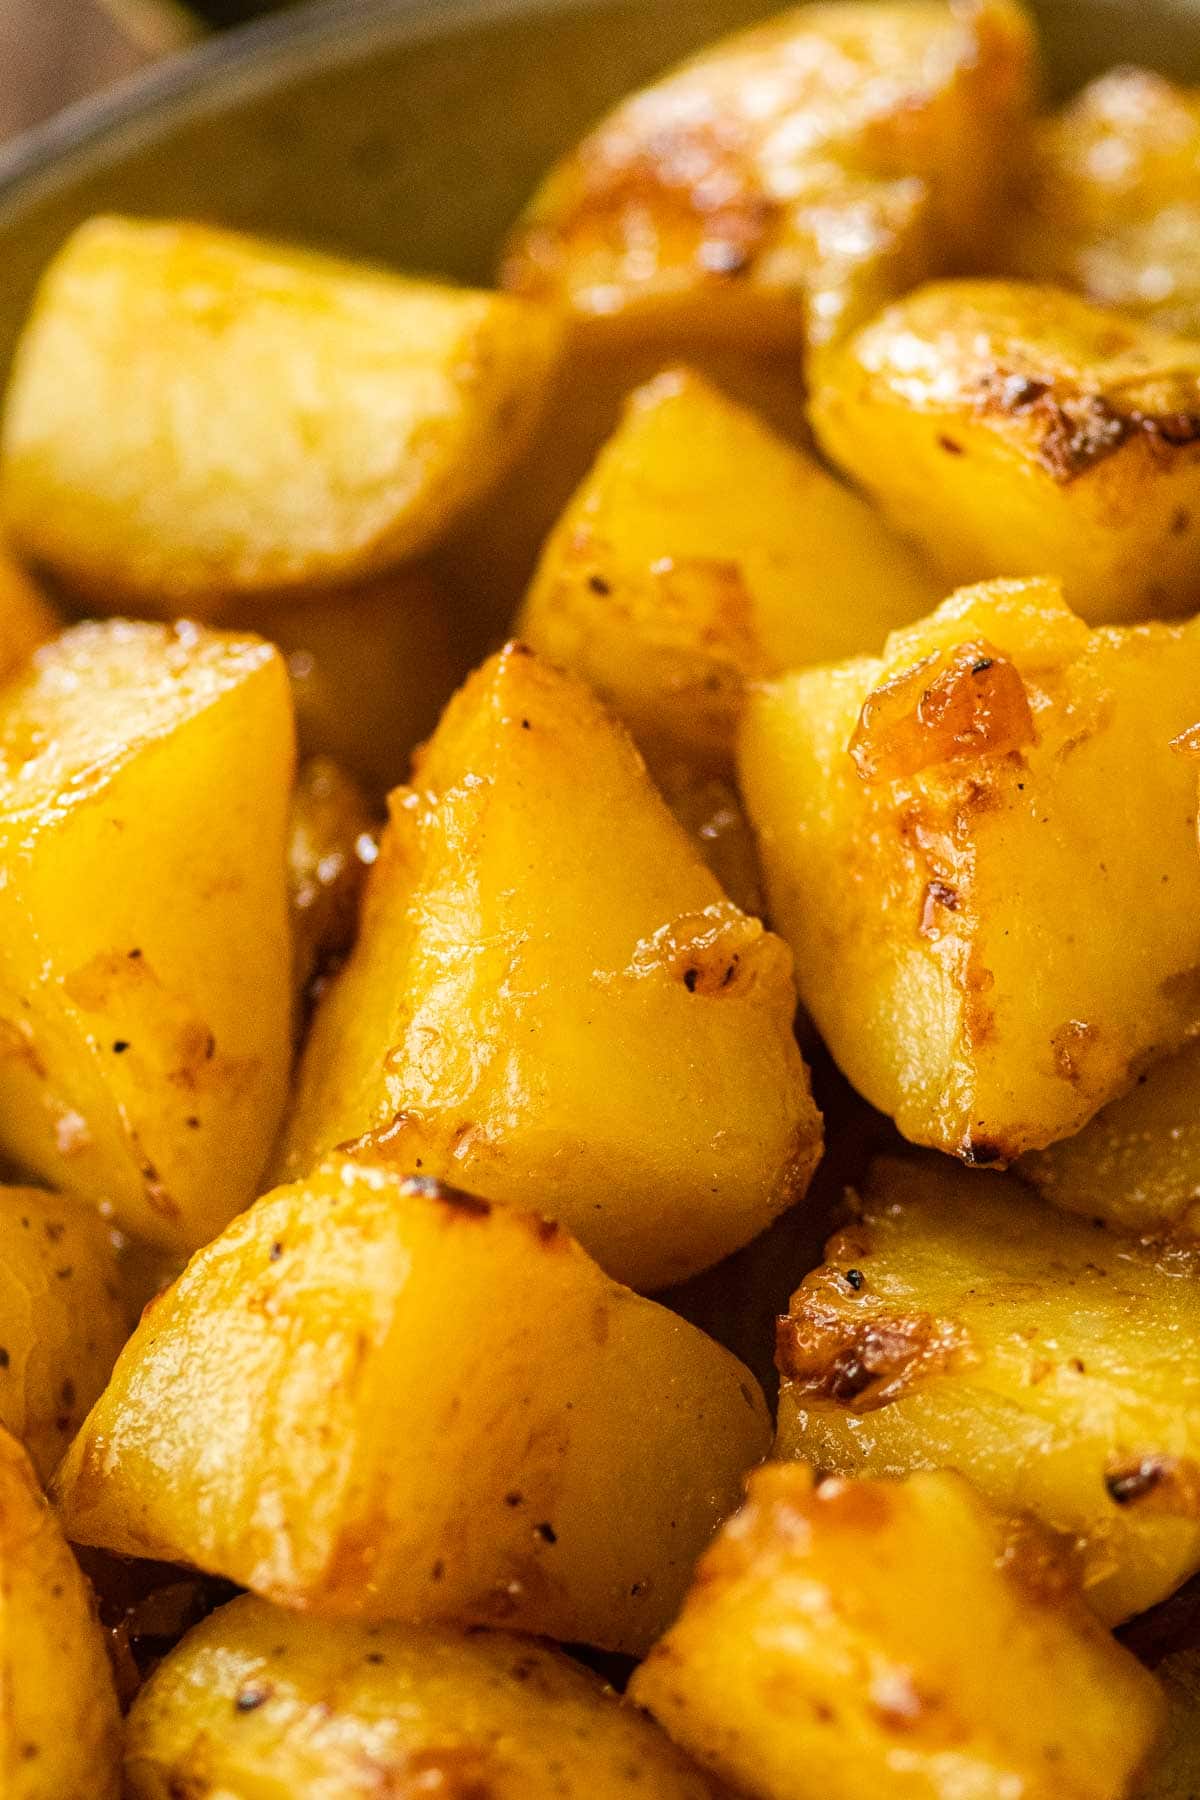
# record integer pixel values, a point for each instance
(412, 130)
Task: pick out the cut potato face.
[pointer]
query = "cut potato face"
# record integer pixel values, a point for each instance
(958, 1323)
(785, 183)
(456, 1416)
(1137, 1163)
(145, 958)
(1111, 204)
(62, 1319)
(60, 1731)
(702, 552)
(256, 1700)
(862, 1638)
(1017, 430)
(981, 848)
(332, 841)
(551, 997)
(195, 415)
(26, 619)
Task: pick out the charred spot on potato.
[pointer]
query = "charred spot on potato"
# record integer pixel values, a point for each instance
(956, 704)
(1156, 1484)
(860, 1359)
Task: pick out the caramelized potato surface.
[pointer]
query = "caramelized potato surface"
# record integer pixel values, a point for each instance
(702, 552)
(958, 1323)
(194, 414)
(145, 961)
(258, 1701)
(982, 850)
(377, 1398)
(551, 998)
(1012, 429)
(866, 1638)
(60, 1732)
(788, 181)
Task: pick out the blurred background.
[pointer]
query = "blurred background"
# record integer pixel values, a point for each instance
(56, 51)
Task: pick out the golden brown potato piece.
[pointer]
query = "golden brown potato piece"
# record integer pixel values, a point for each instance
(551, 997)
(788, 181)
(194, 414)
(1112, 200)
(145, 959)
(981, 848)
(26, 619)
(1137, 1163)
(1016, 430)
(866, 1638)
(455, 1416)
(958, 1323)
(60, 1732)
(702, 552)
(256, 1699)
(371, 668)
(332, 841)
(62, 1319)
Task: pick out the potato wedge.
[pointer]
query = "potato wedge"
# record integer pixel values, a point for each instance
(332, 841)
(981, 848)
(456, 1416)
(145, 960)
(194, 414)
(26, 619)
(62, 1319)
(371, 667)
(1136, 1165)
(1111, 204)
(550, 996)
(788, 181)
(257, 1699)
(958, 1323)
(60, 1732)
(863, 1638)
(1016, 430)
(702, 552)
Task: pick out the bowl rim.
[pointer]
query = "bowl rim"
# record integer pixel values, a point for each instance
(239, 63)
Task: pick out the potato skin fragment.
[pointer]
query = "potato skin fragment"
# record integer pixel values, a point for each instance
(343, 1711)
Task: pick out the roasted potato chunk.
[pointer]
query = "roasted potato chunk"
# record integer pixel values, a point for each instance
(62, 1319)
(257, 1699)
(26, 619)
(1112, 199)
(788, 181)
(145, 961)
(456, 1416)
(1017, 430)
(60, 1732)
(1137, 1163)
(702, 552)
(332, 841)
(195, 415)
(550, 996)
(958, 1323)
(862, 1638)
(981, 848)
(370, 667)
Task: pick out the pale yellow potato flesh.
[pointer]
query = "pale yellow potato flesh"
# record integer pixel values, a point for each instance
(145, 955)
(1137, 1163)
(702, 552)
(194, 414)
(60, 1731)
(552, 999)
(982, 849)
(1111, 204)
(866, 1638)
(256, 1702)
(376, 1398)
(1016, 430)
(63, 1319)
(788, 181)
(957, 1323)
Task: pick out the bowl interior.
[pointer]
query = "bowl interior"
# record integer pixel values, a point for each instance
(412, 130)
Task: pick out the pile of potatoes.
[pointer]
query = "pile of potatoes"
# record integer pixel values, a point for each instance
(473, 766)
